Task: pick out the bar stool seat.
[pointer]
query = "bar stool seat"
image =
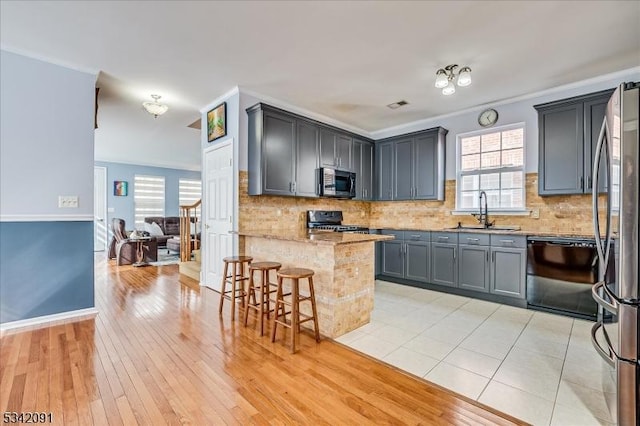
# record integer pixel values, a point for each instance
(264, 287)
(280, 317)
(236, 280)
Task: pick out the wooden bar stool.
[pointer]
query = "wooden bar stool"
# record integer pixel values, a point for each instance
(236, 279)
(264, 287)
(280, 317)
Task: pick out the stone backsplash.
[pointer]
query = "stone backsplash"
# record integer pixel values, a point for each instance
(564, 214)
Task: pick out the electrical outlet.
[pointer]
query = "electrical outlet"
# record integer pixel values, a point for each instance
(68, 201)
(535, 213)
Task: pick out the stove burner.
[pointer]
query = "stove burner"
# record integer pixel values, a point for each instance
(331, 221)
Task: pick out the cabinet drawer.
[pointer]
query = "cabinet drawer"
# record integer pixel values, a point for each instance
(444, 237)
(508, 241)
(474, 239)
(424, 236)
(398, 234)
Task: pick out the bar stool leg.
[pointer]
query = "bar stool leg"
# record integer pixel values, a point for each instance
(314, 310)
(262, 301)
(250, 290)
(276, 313)
(295, 314)
(234, 286)
(223, 286)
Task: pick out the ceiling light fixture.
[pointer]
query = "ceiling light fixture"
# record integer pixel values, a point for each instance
(446, 75)
(155, 108)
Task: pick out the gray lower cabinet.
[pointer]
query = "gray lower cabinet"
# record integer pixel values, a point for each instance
(473, 267)
(393, 258)
(568, 133)
(362, 162)
(508, 271)
(417, 254)
(444, 269)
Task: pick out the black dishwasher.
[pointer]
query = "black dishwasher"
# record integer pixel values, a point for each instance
(560, 274)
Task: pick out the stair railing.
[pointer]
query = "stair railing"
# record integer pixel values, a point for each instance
(189, 220)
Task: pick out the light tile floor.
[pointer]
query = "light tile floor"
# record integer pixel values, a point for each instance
(538, 367)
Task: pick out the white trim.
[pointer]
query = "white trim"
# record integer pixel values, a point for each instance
(49, 60)
(46, 320)
(428, 122)
(217, 101)
(46, 218)
(160, 165)
(305, 112)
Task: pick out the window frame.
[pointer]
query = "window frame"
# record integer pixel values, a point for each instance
(480, 172)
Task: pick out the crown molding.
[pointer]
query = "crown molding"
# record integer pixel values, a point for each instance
(219, 100)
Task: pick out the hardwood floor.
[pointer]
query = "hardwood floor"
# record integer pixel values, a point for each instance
(158, 353)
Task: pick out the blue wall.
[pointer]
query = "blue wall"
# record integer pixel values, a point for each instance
(47, 268)
(124, 206)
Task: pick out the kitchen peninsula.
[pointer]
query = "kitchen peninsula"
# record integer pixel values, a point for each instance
(344, 265)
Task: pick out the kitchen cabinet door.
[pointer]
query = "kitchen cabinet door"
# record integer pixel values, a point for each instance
(279, 141)
(343, 152)
(444, 269)
(417, 256)
(384, 169)
(356, 157)
(366, 171)
(508, 271)
(393, 258)
(403, 166)
(426, 170)
(561, 151)
(473, 267)
(306, 159)
(328, 156)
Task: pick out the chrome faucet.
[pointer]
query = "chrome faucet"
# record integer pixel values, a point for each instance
(483, 217)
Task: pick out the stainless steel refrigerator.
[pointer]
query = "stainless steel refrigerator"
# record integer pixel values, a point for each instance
(615, 218)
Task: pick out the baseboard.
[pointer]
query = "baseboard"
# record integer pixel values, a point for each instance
(47, 320)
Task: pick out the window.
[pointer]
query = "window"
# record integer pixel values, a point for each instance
(491, 161)
(148, 197)
(189, 191)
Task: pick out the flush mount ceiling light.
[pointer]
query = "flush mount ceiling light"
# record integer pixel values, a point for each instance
(446, 75)
(155, 108)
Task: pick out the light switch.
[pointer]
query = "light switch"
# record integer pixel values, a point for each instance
(111, 210)
(68, 201)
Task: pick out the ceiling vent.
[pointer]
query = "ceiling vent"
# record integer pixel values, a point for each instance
(398, 104)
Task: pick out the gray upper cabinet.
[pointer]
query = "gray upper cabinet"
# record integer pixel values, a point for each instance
(384, 171)
(335, 149)
(568, 131)
(415, 167)
(594, 112)
(362, 165)
(273, 156)
(286, 149)
(306, 159)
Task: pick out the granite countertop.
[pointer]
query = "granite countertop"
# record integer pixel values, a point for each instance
(316, 237)
(497, 231)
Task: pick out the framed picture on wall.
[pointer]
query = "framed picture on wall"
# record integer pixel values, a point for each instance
(217, 122)
(120, 188)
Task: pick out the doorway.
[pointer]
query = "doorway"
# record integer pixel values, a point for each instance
(99, 208)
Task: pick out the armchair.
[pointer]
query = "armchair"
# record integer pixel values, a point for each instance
(123, 249)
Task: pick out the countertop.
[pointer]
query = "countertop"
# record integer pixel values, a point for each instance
(497, 231)
(317, 237)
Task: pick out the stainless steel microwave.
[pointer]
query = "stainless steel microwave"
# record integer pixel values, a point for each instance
(336, 183)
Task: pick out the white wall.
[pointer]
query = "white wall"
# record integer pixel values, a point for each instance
(46, 137)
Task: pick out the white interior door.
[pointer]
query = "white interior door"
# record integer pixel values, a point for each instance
(218, 222)
(100, 208)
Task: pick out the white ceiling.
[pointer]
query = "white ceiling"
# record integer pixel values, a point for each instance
(345, 60)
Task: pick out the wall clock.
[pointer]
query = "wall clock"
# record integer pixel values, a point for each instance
(488, 117)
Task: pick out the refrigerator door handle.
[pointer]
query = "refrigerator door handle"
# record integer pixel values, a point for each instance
(609, 306)
(603, 252)
(608, 355)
